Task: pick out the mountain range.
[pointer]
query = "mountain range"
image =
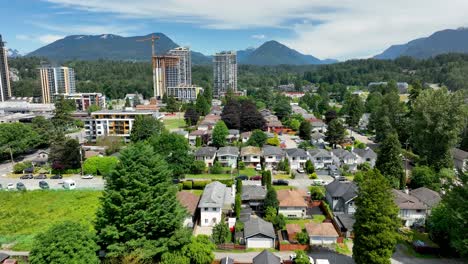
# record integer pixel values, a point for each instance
(444, 41)
(114, 47)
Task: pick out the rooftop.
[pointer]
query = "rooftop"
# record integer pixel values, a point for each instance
(427, 196)
(321, 229)
(296, 152)
(272, 150)
(232, 151)
(205, 151)
(344, 189)
(213, 195)
(266, 257)
(257, 225)
(406, 201)
(253, 192)
(250, 150)
(294, 198)
(188, 200)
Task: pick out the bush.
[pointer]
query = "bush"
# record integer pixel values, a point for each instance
(100, 165)
(216, 169)
(200, 185)
(180, 186)
(198, 167)
(317, 193)
(21, 166)
(302, 238)
(241, 165)
(313, 176)
(228, 182)
(239, 227)
(187, 185)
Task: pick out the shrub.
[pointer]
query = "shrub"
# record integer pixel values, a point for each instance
(228, 182)
(180, 186)
(302, 238)
(100, 165)
(216, 169)
(187, 185)
(317, 193)
(239, 227)
(200, 185)
(198, 167)
(241, 165)
(313, 176)
(21, 166)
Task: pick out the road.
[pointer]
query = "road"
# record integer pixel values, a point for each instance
(96, 183)
(7, 167)
(361, 138)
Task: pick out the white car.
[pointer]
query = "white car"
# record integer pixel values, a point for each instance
(11, 186)
(258, 167)
(87, 176)
(300, 170)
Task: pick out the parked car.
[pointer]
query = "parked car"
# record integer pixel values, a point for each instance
(28, 170)
(280, 182)
(300, 170)
(20, 186)
(56, 177)
(69, 184)
(242, 177)
(26, 177)
(258, 167)
(176, 181)
(43, 185)
(40, 177)
(87, 176)
(10, 186)
(256, 178)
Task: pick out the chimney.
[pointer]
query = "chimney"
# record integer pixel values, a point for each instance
(406, 190)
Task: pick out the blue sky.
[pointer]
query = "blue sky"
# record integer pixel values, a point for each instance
(341, 29)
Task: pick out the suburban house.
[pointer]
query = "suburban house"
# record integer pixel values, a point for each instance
(427, 196)
(342, 157)
(227, 156)
(345, 222)
(460, 159)
(317, 139)
(412, 211)
(207, 124)
(320, 158)
(321, 233)
(292, 203)
(253, 195)
(366, 155)
(216, 200)
(340, 196)
(234, 135)
(190, 202)
(192, 137)
(318, 125)
(272, 156)
(251, 156)
(292, 230)
(266, 257)
(41, 158)
(245, 136)
(259, 233)
(206, 154)
(273, 124)
(297, 158)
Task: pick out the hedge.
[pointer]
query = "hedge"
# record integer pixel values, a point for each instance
(228, 182)
(187, 185)
(200, 185)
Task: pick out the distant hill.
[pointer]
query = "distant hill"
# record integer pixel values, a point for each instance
(110, 47)
(13, 53)
(445, 41)
(275, 53)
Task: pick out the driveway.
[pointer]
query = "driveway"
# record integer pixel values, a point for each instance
(288, 141)
(96, 183)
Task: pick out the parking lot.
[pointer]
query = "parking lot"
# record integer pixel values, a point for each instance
(96, 183)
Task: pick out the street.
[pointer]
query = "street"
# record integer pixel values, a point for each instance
(96, 183)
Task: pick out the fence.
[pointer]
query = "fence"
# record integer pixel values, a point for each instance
(231, 246)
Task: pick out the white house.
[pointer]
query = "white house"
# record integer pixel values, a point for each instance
(297, 158)
(227, 156)
(320, 158)
(340, 196)
(251, 155)
(192, 137)
(365, 155)
(412, 211)
(343, 157)
(216, 199)
(206, 154)
(259, 233)
(321, 233)
(292, 203)
(460, 159)
(272, 156)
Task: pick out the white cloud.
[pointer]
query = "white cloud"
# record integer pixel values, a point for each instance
(22, 37)
(49, 38)
(334, 28)
(258, 36)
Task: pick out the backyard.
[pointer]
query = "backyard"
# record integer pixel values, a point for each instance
(25, 214)
(174, 123)
(248, 172)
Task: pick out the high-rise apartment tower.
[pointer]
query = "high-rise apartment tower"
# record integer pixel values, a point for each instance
(224, 72)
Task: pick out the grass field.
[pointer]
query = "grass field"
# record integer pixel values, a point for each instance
(174, 123)
(25, 214)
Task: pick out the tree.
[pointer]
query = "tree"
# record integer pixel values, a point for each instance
(112, 144)
(266, 178)
(100, 165)
(336, 132)
(373, 102)
(257, 139)
(309, 167)
(274, 141)
(66, 242)
(221, 233)
(317, 192)
(220, 132)
(200, 250)
(202, 106)
(281, 107)
(238, 186)
(65, 153)
(304, 130)
(172, 105)
(303, 238)
(191, 116)
(43, 127)
(17, 138)
(144, 127)
(127, 102)
(354, 108)
(424, 176)
(375, 229)
(447, 223)
(62, 114)
(301, 256)
(250, 117)
(237, 205)
(295, 124)
(230, 114)
(271, 199)
(330, 115)
(437, 114)
(389, 161)
(174, 258)
(139, 210)
(216, 168)
(198, 167)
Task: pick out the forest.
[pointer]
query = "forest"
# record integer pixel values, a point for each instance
(116, 78)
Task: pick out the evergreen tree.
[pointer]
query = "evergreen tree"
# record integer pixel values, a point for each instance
(377, 222)
(353, 108)
(139, 210)
(144, 127)
(191, 116)
(336, 132)
(221, 233)
(309, 167)
(271, 199)
(172, 105)
(281, 107)
(202, 105)
(389, 161)
(257, 139)
(305, 130)
(199, 251)
(237, 205)
(62, 119)
(64, 153)
(127, 102)
(220, 132)
(330, 115)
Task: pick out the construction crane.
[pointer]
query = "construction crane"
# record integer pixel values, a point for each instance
(153, 39)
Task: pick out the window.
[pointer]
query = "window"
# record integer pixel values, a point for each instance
(206, 221)
(206, 209)
(214, 209)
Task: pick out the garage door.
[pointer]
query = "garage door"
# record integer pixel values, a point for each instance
(317, 240)
(259, 243)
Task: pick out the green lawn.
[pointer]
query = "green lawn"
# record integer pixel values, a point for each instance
(283, 187)
(24, 214)
(282, 177)
(318, 218)
(248, 171)
(300, 222)
(174, 123)
(196, 192)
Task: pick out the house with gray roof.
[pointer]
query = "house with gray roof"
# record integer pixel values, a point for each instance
(259, 233)
(321, 158)
(340, 196)
(345, 223)
(297, 158)
(343, 157)
(216, 200)
(253, 195)
(266, 257)
(251, 156)
(427, 196)
(412, 210)
(234, 134)
(227, 156)
(365, 155)
(206, 154)
(460, 159)
(272, 155)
